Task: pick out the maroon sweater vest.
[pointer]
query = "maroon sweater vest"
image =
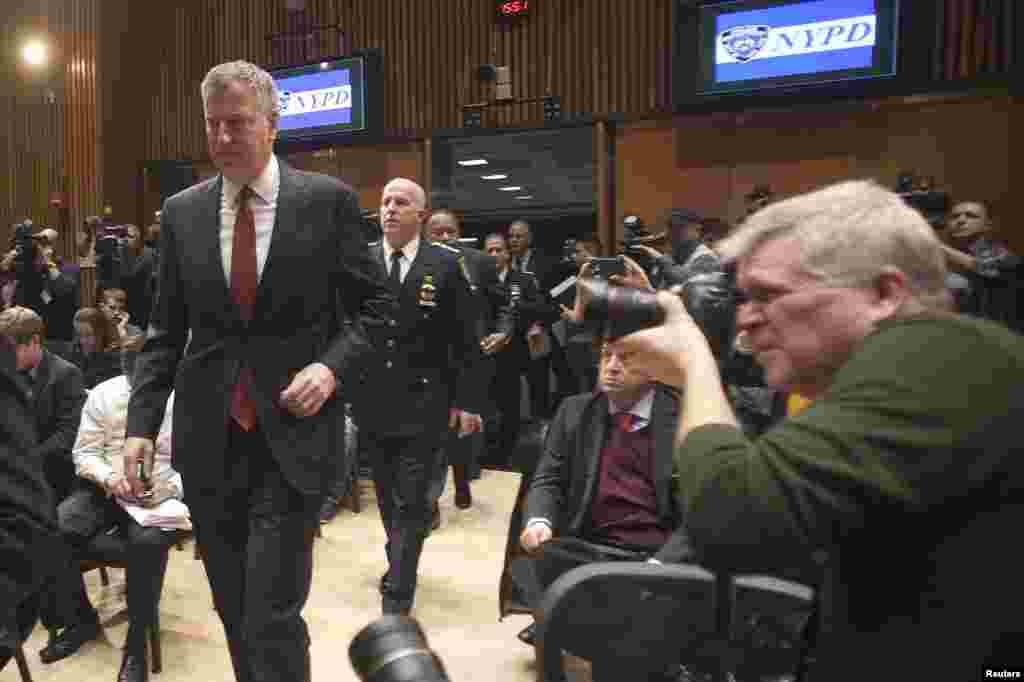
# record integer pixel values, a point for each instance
(624, 511)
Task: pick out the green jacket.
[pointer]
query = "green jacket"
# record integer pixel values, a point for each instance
(904, 481)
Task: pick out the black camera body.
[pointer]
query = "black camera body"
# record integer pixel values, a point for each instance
(110, 244)
(24, 247)
(634, 232)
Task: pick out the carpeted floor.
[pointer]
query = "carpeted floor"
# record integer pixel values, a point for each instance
(456, 602)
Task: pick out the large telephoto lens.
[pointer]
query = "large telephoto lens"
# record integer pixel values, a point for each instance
(619, 311)
(394, 649)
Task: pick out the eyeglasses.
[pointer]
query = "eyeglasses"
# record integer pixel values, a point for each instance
(762, 299)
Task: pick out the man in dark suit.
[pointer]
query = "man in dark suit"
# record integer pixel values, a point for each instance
(495, 326)
(56, 395)
(258, 267)
(422, 385)
(27, 516)
(520, 289)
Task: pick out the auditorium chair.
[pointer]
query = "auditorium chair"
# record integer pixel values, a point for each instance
(673, 615)
(107, 550)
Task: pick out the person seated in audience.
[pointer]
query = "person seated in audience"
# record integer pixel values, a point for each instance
(986, 278)
(99, 505)
(114, 305)
(27, 519)
(96, 348)
(605, 478)
(56, 395)
(900, 482)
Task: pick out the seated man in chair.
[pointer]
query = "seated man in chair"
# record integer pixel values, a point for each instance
(98, 506)
(603, 488)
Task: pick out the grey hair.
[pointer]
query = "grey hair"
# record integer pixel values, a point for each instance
(259, 81)
(847, 234)
(419, 197)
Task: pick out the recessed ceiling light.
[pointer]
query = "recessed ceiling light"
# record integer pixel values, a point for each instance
(495, 176)
(528, 196)
(510, 188)
(473, 162)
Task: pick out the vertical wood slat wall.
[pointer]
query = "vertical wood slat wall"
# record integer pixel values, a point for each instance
(600, 56)
(48, 119)
(598, 63)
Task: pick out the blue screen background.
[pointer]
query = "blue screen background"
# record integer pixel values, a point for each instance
(316, 81)
(789, 15)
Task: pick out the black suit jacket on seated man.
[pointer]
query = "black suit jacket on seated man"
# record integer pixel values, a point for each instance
(57, 396)
(566, 480)
(28, 521)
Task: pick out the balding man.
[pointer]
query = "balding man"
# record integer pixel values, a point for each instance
(986, 276)
(420, 386)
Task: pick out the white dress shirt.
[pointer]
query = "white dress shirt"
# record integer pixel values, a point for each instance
(263, 203)
(409, 252)
(101, 434)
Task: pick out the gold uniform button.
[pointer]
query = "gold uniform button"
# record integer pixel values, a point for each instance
(389, 364)
(391, 343)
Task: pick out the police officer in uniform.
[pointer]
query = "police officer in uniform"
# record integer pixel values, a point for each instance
(421, 385)
(495, 320)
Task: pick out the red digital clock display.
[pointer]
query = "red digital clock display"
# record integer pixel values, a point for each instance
(514, 8)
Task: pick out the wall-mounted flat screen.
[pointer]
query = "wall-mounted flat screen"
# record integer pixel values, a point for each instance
(753, 44)
(326, 98)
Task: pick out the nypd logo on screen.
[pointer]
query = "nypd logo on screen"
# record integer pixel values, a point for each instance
(741, 44)
(294, 103)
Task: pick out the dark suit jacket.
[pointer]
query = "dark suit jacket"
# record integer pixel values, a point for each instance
(27, 510)
(317, 273)
(482, 271)
(565, 481)
(58, 394)
(427, 357)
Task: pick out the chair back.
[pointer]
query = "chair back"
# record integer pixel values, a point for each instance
(661, 615)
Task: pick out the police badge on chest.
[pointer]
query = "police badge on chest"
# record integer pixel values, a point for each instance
(428, 293)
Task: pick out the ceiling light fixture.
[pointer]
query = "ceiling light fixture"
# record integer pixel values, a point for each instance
(511, 188)
(495, 176)
(528, 196)
(34, 53)
(473, 162)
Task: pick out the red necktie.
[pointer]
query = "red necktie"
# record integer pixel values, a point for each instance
(624, 420)
(243, 291)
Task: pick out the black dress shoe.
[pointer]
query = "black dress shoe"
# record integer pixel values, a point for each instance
(133, 666)
(528, 635)
(463, 496)
(68, 640)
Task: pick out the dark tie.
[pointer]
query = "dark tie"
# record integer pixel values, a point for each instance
(395, 276)
(243, 291)
(515, 263)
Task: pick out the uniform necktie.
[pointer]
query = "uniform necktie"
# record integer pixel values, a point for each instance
(243, 291)
(395, 276)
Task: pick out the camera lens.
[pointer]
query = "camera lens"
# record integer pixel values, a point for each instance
(621, 310)
(394, 649)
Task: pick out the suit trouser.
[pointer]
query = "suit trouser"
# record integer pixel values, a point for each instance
(80, 517)
(403, 468)
(461, 454)
(255, 534)
(507, 391)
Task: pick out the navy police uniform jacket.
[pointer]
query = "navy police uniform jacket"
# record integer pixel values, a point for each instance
(427, 354)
